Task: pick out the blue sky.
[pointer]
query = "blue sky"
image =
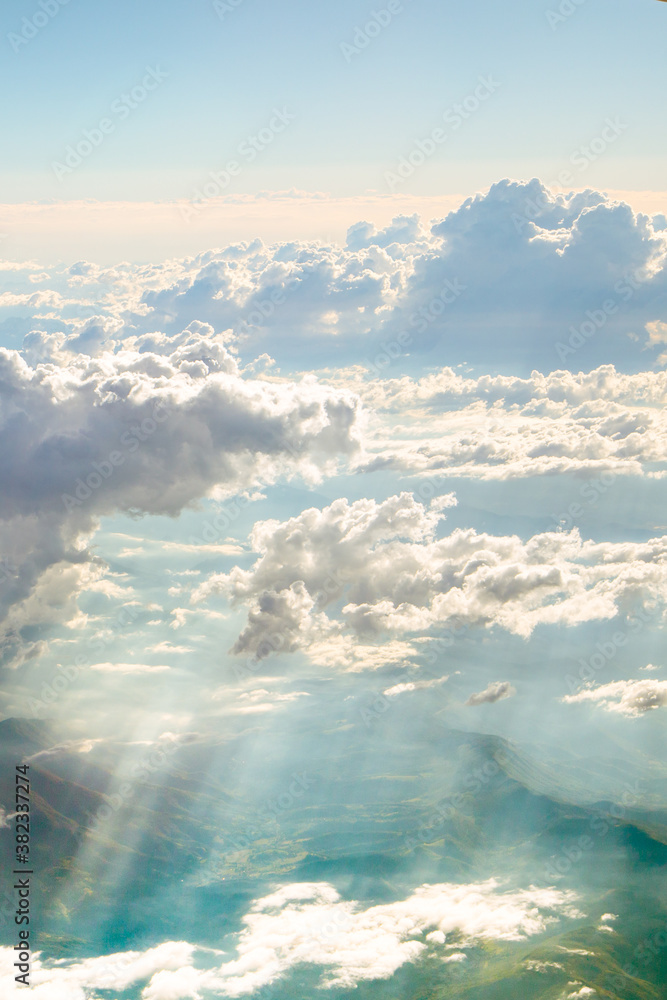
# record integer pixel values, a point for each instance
(558, 85)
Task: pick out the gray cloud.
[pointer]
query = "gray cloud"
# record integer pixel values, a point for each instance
(81, 438)
(496, 691)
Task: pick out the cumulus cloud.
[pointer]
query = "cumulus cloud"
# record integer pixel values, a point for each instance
(134, 432)
(382, 570)
(74, 980)
(502, 427)
(496, 691)
(631, 698)
(309, 923)
(532, 268)
(528, 267)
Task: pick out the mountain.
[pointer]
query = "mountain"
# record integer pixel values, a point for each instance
(184, 848)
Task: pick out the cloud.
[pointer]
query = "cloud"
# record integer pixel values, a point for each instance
(169, 647)
(631, 698)
(128, 668)
(504, 427)
(128, 432)
(378, 570)
(309, 924)
(496, 691)
(74, 980)
(526, 285)
(409, 686)
(533, 267)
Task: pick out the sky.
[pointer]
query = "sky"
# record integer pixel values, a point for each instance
(553, 84)
(332, 427)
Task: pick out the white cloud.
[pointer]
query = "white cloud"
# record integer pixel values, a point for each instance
(169, 647)
(631, 698)
(504, 427)
(83, 437)
(74, 980)
(309, 923)
(381, 570)
(527, 283)
(128, 668)
(409, 686)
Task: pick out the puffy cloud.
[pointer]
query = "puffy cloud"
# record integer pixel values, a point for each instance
(309, 923)
(524, 289)
(501, 427)
(631, 698)
(496, 691)
(381, 569)
(180, 985)
(534, 272)
(130, 432)
(74, 980)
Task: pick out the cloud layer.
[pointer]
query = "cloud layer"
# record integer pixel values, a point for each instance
(518, 275)
(309, 924)
(138, 433)
(383, 570)
(502, 427)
